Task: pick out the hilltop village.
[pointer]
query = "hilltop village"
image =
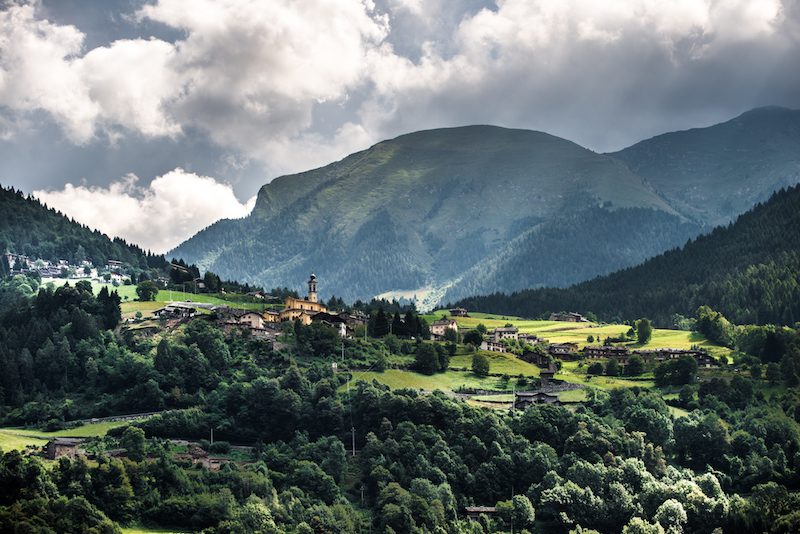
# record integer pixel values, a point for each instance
(270, 325)
(267, 324)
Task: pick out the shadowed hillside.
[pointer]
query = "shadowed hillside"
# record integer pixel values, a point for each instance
(714, 174)
(424, 208)
(749, 271)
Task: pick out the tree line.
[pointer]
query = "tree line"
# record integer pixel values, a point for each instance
(748, 271)
(619, 462)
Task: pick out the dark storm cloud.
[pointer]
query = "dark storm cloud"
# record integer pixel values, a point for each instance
(94, 91)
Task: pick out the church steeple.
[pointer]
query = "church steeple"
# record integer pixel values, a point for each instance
(312, 288)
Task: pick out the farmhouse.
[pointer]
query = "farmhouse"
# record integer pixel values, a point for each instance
(438, 327)
(661, 355)
(474, 512)
(334, 321)
(458, 312)
(616, 352)
(176, 310)
(562, 350)
(570, 317)
(508, 332)
(530, 339)
(62, 447)
(523, 399)
(253, 319)
(494, 346)
(541, 360)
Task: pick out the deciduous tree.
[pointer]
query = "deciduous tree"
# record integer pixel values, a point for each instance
(480, 364)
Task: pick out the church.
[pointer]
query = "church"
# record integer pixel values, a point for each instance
(302, 309)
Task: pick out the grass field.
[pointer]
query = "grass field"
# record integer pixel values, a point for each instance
(138, 529)
(88, 431)
(498, 363)
(571, 372)
(130, 305)
(19, 439)
(563, 332)
(11, 440)
(449, 381)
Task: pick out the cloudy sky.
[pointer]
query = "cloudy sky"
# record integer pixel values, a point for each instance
(151, 119)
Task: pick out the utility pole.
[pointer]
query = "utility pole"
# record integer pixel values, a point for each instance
(354, 440)
(513, 401)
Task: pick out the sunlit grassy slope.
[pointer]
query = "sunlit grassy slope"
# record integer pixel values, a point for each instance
(12, 440)
(564, 332)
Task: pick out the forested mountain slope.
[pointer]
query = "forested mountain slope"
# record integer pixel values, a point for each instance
(424, 208)
(31, 229)
(713, 174)
(576, 245)
(749, 271)
(481, 209)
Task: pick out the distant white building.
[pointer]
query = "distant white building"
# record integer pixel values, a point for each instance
(437, 328)
(508, 332)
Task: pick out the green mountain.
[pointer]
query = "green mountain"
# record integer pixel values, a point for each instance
(28, 228)
(714, 174)
(481, 209)
(422, 209)
(749, 271)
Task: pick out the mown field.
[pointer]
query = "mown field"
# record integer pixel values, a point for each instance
(13, 440)
(20, 439)
(563, 332)
(130, 305)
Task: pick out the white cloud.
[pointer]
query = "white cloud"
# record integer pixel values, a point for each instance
(158, 217)
(248, 73)
(601, 73)
(37, 71)
(257, 69)
(133, 84)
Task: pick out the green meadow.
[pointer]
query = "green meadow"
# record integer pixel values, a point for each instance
(130, 305)
(14, 440)
(19, 439)
(449, 381)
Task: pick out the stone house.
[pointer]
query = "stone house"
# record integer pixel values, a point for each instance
(523, 399)
(62, 447)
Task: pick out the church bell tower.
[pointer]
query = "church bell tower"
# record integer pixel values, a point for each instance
(312, 288)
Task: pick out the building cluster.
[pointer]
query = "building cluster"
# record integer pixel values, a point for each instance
(20, 264)
(570, 317)
(496, 344)
(622, 354)
(267, 324)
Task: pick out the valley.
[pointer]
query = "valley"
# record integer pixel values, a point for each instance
(668, 402)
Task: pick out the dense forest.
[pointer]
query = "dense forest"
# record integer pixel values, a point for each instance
(749, 271)
(30, 229)
(620, 462)
(583, 242)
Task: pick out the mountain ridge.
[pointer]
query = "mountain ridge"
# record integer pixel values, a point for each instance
(427, 209)
(741, 161)
(446, 197)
